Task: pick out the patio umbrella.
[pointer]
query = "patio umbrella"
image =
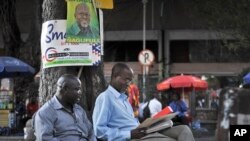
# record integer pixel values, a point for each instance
(13, 67)
(183, 82)
(246, 79)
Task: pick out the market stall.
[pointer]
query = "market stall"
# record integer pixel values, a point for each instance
(6, 103)
(10, 68)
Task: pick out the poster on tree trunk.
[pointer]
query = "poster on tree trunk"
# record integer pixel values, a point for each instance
(57, 52)
(82, 22)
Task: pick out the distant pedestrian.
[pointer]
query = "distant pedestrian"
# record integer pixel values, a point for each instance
(134, 95)
(154, 106)
(178, 105)
(31, 108)
(20, 114)
(215, 103)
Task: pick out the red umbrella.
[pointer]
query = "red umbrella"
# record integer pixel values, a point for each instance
(183, 82)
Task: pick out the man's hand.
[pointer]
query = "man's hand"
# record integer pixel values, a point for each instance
(138, 133)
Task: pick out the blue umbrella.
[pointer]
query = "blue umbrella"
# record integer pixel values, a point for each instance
(246, 79)
(13, 67)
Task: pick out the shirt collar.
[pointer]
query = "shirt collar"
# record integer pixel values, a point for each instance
(57, 104)
(117, 94)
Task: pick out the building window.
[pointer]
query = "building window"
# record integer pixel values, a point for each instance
(179, 51)
(115, 51)
(206, 51)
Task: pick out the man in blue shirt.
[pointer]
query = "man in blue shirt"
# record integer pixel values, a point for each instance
(61, 118)
(178, 105)
(113, 117)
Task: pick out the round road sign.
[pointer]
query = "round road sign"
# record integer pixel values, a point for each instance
(146, 57)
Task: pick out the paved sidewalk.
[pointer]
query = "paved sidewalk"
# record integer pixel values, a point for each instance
(20, 138)
(199, 136)
(207, 138)
(11, 138)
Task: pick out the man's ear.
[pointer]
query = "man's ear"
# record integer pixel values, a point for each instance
(65, 88)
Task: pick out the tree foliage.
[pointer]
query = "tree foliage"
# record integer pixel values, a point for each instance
(10, 30)
(226, 15)
(16, 47)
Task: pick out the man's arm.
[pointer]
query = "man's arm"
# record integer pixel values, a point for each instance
(91, 135)
(102, 115)
(184, 106)
(173, 106)
(44, 121)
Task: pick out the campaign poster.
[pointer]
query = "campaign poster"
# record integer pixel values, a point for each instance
(57, 52)
(82, 22)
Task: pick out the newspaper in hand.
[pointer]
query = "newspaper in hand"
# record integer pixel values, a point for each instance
(156, 124)
(159, 126)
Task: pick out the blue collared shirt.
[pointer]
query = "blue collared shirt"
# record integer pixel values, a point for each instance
(179, 106)
(54, 123)
(113, 117)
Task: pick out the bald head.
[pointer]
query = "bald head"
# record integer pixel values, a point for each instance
(68, 89)
(119, 68)
(66, 80)
(121, 77)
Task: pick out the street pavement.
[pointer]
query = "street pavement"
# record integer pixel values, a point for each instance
(20, 138)
(208, 138)
(205, 136)
(11, 138)
(199, 136)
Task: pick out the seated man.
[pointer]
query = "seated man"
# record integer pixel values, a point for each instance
(178, 105)
(62, 118)
(113, 117)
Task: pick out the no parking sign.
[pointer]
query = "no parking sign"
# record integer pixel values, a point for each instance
(146, 57)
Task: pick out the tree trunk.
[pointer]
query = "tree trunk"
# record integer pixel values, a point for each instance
(92, 77)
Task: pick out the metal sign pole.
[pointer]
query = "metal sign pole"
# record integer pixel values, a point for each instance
(144, 2)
